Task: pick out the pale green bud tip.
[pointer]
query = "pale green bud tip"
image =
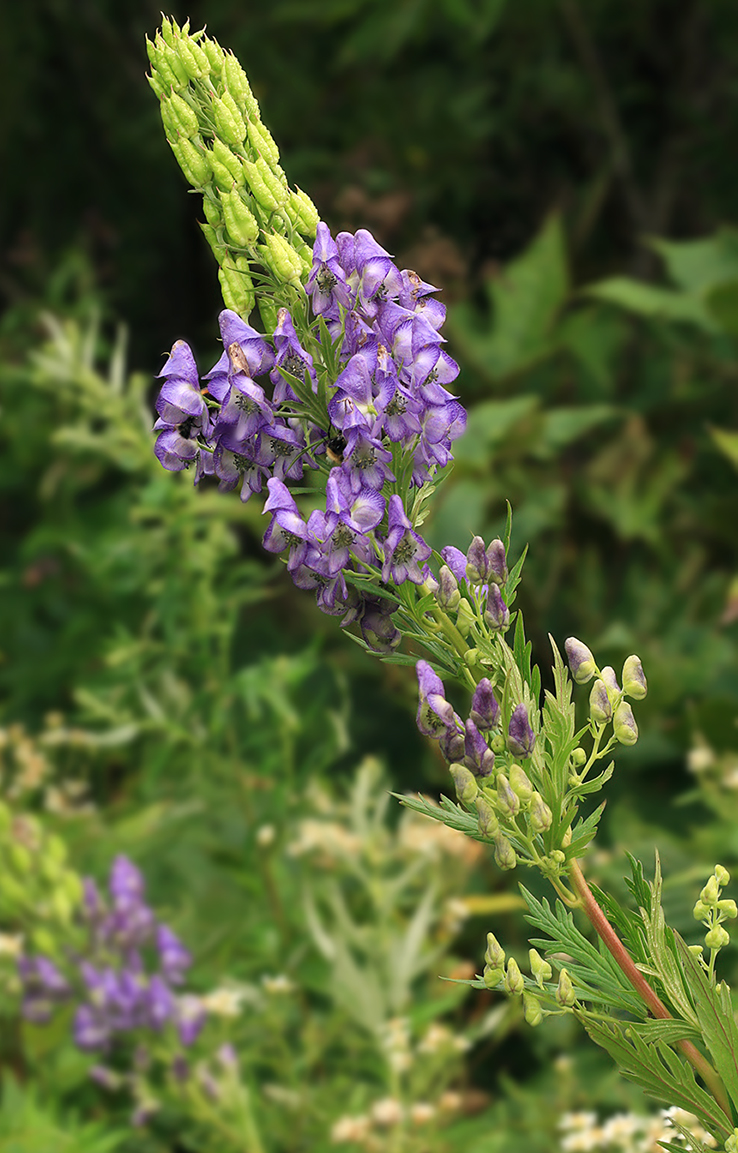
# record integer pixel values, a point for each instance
(465, 783)
(495, 954)
(731, 1145)
(624, 726)
(728, 908)
(514, 981)
(487, 818)
(717, 938)
(634, 680)
(600, 709)
(520, 784)
(701, 911)
(492, 976)
(532, 1009)
(539, 814)
(565, 990)
(722, 874)
(581, 661)
(711, 891)
(505, 856)
(540, 969)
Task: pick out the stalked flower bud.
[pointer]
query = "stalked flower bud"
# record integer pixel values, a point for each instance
(241, 223)
(263, 142)
(717, 938)
(268, 190)
(539, 814)
(520, 735)
(476, 562)
(238, 85)
(226, 166)
(520, 784)
(565, 990)
(711, 891)
(581, 662)
(494, 953)
(236, 285)
(611, 684)
(492, 977)
(228, 120)
(623, 725)
(192, 160)
(532, 1010)
(600, 709)
(722, 874)
(728, 908)
(701, 911)
(485, 711)
(507, 801)
(448, 595)
(451, 741)
(505, 856)
(477, 755)
(497, 614)
(465, 783)
(281, 258)
(487, 818)
(634, 679)
(464, 617)
(307, 214)
(578, 757)
(514, 981)
(496, 562)
(540, 969)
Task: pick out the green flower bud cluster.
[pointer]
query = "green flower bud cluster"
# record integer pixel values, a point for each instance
(511, 811)
(213, 125)
(36, 886)
(607, 699)
(731, 1145)
(712, 910)
(538, 999)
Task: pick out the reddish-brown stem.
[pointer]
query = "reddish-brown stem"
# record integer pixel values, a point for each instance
(657, 1007)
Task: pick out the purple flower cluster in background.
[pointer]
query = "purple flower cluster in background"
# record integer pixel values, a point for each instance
(114, 989)
(388, 423)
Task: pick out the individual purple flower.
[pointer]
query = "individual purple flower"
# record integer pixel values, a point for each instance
(287, 528)
(245, 412)
(254, 355)
(377, 627)
(291, 358)
(581, 661)
(179, 401)
(496, 562)
(173, 450)
(126, 883)
(452, 741)
(326, 284)
(520, 736)
(160, 1003)
(404, 549)
(435, 714)
(378, 278)
(175, 959)
(362, 509)
(247, 468)
(90, 1030)
(496, 614)
(476, 562)
(456, 561)
(366, 461)
(485, 710)
(477, 754)
(448, 595)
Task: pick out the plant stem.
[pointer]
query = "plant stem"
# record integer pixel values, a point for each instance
(642, 987)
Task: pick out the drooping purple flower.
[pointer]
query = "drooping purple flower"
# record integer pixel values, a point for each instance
(245, 412)
(366, 461)
(378, 628)
(378, 278)
(456, 561)
(326, 284)
(435, 714)
(404, 549)
(254, 355)
(485, 710)
(520, 736)
(362, 509)
(477, 754)
(287, 528)
(291, 358)
(174, 451)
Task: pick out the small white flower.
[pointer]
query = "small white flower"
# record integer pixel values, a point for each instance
(265, 835)
(279, 984)
(350, 1129)
(224, 1002)
(422, 1112)
(387, 1112)
(11, 944)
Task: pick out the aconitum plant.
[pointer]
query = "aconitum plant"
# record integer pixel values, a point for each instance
(332, 399)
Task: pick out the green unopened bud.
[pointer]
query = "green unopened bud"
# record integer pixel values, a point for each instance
(695, 950)
(507, 801)
(514, 981)
(540, 969)
(557, 856)
(307, 214)
(238, 85)
(50, 869)
(55, 848)
(634, 680)
(236, 285)
(471, 657)
(539, 814)
(722, 874)
(228, 120)
(581, 661)
(267, 189)
(220, 252)
(213, 211)
(465, 783)
(505, 856)
(71, 885)
(194, 60)
(498, 744)
(167, 31)
(717, 938)
(226, 166)
(701, 911)
(532, 1010)
(494, 954)
(487, 818)
(192, 160)
(241, 223)
(520, 783)
(181, 114)
(711, 891)
(624, 726)
(262, 141)
(731, 1145)
(465, 617)
(565, 990)
(281, 258)
(600, 709)
(578, 757)
(728, 908)
(492, 977)
(12, 891)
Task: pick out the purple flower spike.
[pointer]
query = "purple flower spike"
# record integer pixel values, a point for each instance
(404, 549)
(520, 738)
(485, 711)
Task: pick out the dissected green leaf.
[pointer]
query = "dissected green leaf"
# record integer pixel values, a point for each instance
(715, 1015)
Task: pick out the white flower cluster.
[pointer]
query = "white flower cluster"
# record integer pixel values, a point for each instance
(629, 1132)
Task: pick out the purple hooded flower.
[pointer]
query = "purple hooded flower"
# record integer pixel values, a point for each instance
(291, 358)
(435, 714)
(245, 412)
(497, 614)
(485, 711)
(126, 883)
(326, 284)
(455, 560)
(477, 754)
(366, 461)
(404, 549)
(287, 528)
(173, 450)
(377, 627)
(521, 738)
(378, 278)
(180, 402)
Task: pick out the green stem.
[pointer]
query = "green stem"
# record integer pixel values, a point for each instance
(656, 1006)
